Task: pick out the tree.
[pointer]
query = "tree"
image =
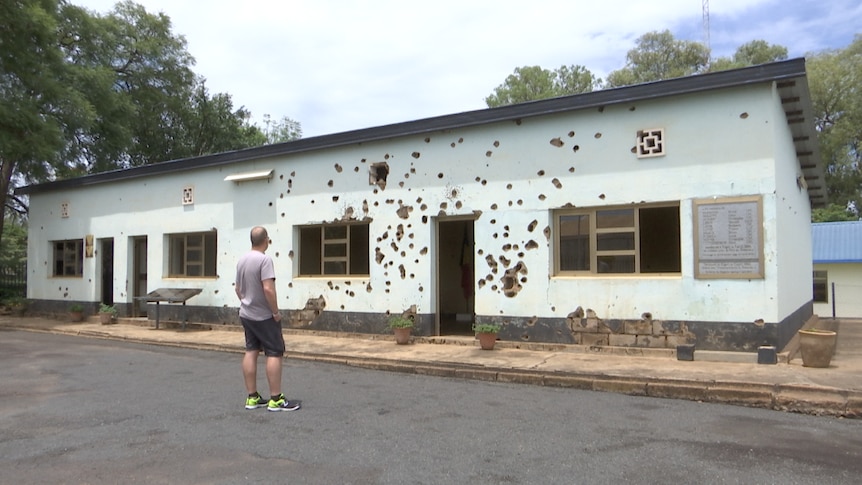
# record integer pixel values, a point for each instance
(659, 56)
(834, 78)
(750, 54)
(280, 131)
(530, 83)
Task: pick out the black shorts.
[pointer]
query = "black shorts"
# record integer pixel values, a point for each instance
(264, 335)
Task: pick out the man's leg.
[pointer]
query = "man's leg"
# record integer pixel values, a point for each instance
(273, 374)
(249, 370)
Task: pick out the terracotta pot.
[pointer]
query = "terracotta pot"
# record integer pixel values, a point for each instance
(106, 318)
(487, 340)
(76, 316)
(817, 347)
(402, 335)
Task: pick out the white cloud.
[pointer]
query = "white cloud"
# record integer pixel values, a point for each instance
(339, 65)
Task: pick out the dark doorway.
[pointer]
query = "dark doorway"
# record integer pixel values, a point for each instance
(455, 282)
(106, 257)
(139, 274)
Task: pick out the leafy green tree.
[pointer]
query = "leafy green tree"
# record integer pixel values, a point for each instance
(657, 56)
(530, 83)
(750, 54)
(283, 130)
(834, 81)
(833, 213)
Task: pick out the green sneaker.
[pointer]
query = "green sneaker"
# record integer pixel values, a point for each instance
(282, 404)
(255, 402)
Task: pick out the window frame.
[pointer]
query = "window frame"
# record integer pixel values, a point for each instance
(68, 257)
(820, 277)
(207, 261)
(596, 230)
(334, 250)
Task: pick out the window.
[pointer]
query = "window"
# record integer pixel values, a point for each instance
(192, 255)
(69, 257)
(629, 240)
(821, 287)
(333, 250)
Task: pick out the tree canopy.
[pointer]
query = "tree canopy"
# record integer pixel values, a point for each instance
(529, 83)
(82, 92)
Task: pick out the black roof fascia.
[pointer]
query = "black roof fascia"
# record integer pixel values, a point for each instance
(776, 71)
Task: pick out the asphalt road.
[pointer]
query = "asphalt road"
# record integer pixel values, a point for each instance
(77, 410)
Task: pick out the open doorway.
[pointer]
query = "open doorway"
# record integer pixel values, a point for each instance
(106, 254)
(139, 275)
(455, 285)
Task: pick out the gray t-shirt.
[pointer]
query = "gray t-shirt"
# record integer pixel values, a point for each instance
(251, 270)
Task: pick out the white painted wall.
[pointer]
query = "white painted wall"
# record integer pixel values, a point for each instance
(509, 173)
(847, 278)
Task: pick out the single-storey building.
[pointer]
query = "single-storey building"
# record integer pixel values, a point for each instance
(837, 248)
(653, 215)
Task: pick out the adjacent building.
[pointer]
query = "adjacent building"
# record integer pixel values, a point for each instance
(837, 250)
(648, 216)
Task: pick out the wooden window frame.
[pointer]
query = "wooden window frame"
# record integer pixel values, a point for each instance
(202, 255)
(350, 251)
(596, 230)
(68, 258)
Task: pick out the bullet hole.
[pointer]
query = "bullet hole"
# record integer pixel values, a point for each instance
(388, 283)
(523, 279)
(493, 221)
(480, 283)
(531, 245)
(601, 109)
(365, 206)
(330, 183)
(632, 108)
(421, 289)
(404, 210)
(506, 247)
(270, 204)
(386, 157)
(511, 203)
(532, 226)
(576, 148)
(290, 254)
(412, 276)
(387, 291)
(394, 246)
(493, 207)
(356, 169)
(557, 142)
(494, 288)
(509, 186)
(423, 207)
(385, 235)
(453, 194)
(401, 184)
(415, 154)
(520, 202)
(505, 261)
(510, 281)
(518, 122)
(338, 168)
(424, 219)
(458, 204)
(423, 251)
(598, 135)
(540, 173)
(440, 175)
(488, 153)
(495, 235)
(444, 205)
(602, 196)
(571, 134)
(427, 139)
(478, 179)
(329, 284)
(452, 144)
(461, 140)
(342, 307)
(378, 255)
(542, 197)
(335, 198)
(484, 182)
(411, 244)
(418, 200)
(399, 232)
(289, 183)
(521, 254)
(348, 214)
(402, 271)
(368, 288)
(282, 214)
(412, 170)
(743, 115)
(403, 254)
(492, 263)
(281, 196)
(377, 174)
(480, 252)
(496, 143)
(571, 169)
(547, 232)
(557, 183)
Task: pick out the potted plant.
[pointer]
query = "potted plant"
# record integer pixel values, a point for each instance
(817, 346)
(76, 312)
(107, 314)
(402, 327)
(487, 334)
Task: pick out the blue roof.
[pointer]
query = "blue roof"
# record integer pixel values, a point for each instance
(837, 242)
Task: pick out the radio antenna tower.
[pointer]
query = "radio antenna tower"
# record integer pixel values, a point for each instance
(706, 26)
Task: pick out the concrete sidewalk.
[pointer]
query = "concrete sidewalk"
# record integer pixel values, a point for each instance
(729, 378)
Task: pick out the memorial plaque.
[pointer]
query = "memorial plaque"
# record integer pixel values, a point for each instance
(728, 238)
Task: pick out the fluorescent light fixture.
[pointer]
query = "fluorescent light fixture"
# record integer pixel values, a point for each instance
(243, 177)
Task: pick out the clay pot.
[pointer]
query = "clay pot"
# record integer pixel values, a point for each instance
(817, 347)
(402, 335)
(487, 340)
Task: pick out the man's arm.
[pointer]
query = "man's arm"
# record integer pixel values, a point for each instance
(271, 298)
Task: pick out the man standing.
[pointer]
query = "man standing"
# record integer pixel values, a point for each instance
(261, 320)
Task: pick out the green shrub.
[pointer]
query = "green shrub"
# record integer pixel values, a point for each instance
(486, 327)
(399, 321)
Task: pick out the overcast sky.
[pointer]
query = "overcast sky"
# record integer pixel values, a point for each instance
(339, 65)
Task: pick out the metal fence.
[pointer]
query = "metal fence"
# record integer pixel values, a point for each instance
(13, 281)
